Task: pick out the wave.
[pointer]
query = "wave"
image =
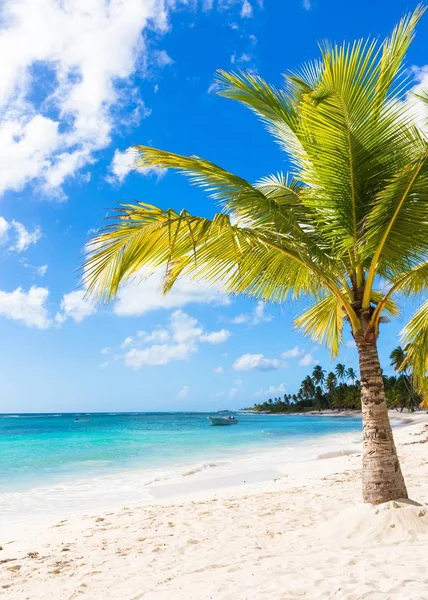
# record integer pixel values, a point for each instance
(47, 416)
(204, 467)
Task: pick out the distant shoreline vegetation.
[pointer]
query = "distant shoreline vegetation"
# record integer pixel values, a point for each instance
(341, 390)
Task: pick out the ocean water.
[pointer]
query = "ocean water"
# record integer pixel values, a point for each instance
(50, 463)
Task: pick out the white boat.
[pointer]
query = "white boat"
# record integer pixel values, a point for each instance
(228, 420)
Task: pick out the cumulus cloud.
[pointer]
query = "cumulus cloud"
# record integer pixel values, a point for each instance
(75, 306)
(85, 58)
(123, 163)
(80, 56)
(136, 297)
(255, 318)
(41, 270)
(214, 87)
(241, 59)
(4, 228)
(246, 10)
(178, 341)
(216, 337)
(158, 335)
(161, 58)
(307, 360)
(257, 362)
(183, 393)
(272, 390)
(18, 235)
(27, 307)
(219, 370)
(293, 353)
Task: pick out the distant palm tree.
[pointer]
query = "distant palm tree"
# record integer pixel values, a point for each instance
(351, 374)
(308, 387)
(331, 383)
(351, 216)
(401, 365)
(340, 372)
(398, 360)
(318, 376)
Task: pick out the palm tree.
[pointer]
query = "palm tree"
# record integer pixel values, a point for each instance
(308, 388)
(318, 376)
(340, 372)
(330, 384)
(401, 365)
(398, 360)
(351, 374)
(351, 216)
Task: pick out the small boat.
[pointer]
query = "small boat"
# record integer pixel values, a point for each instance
(223, 418)
(79, 420)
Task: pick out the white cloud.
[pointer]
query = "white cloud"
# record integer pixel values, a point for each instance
(246, 10)
(255, 318)
(27, 307)
(161, 58)
(158, 335)
(240, 319)
(4, 228)
(178, 342)
(75, 306)
(183, 393)
(105, 351)
(24, 238)
(214, 87)
(138, 297)
(257, 362)
(219, 370)
(21, 237)
(272, 390)
(81, 56)
(293, 353)
(417, 107)
(85, 58)
(126, 342)
(216, 337)
(185, 329)
(158, 355)
(41, 271)
(123, 163)
(241, 59)
(307, 360)
(307, 4)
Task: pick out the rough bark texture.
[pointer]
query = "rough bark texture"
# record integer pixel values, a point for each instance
(382, 477)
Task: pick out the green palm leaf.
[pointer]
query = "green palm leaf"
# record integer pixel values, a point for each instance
(414, 338)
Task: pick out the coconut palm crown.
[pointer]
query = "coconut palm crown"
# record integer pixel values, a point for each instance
(348, 226)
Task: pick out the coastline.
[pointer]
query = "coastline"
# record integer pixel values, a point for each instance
(240, 540)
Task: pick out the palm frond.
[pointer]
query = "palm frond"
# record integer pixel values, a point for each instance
(394, 50)
(414, 338)
(144, 238)
(323, 323)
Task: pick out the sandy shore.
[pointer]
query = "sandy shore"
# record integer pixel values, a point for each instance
(303, 535)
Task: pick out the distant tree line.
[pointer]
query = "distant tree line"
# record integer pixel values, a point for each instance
(341, 390)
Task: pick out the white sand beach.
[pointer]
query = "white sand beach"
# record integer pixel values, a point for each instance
(303, 535)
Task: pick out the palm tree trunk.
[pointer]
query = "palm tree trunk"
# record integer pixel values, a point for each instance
(382, 477)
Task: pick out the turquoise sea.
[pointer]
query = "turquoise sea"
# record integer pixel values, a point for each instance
(51, 461)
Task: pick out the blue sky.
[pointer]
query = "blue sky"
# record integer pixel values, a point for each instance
(83, 80)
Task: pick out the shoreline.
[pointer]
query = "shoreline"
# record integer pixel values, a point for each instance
(239, 541)
(210, 467)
